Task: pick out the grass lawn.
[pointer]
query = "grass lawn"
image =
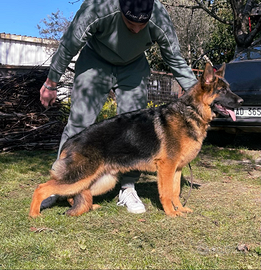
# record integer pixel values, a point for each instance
(223, 232)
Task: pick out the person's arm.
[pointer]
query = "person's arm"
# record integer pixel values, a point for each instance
(180, 69)
(165, 35)
(74, 38)
(81, 28)
(48, 96)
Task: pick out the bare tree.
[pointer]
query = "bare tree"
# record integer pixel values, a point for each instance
(53, 27)
(193, 28)
(246, 17)
(242, 13)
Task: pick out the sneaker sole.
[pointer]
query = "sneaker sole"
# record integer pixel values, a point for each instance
(136, 211)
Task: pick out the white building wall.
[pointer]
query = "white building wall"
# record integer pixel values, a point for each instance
(24, 51)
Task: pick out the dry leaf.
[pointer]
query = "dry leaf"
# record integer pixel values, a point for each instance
(243, 247)
(142, 220)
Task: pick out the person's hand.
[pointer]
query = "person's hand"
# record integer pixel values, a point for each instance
(48, 97)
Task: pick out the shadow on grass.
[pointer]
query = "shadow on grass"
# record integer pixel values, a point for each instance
(147, 190)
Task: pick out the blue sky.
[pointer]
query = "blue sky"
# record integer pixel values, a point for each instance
(21, 17)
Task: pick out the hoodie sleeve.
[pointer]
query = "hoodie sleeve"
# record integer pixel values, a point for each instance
(74, 38)
(165, 35)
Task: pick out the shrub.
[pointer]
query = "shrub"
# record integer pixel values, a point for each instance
(109, 110)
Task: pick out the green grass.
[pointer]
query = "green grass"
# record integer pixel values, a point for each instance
(226, 214)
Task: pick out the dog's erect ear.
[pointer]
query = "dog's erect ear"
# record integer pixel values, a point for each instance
(208, 74)
(221, 72)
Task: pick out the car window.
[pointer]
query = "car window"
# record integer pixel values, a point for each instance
(249, 54)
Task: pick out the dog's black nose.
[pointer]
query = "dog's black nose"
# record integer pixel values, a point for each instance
(240, 101)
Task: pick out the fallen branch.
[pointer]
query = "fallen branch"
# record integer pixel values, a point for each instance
(24, 122)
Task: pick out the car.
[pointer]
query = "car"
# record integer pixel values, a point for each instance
(243, 74)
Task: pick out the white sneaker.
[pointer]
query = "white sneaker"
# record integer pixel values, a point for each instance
(50, 201)
(130, 198)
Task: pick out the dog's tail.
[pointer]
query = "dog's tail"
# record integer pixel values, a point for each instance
(58, 170)
(75, 167)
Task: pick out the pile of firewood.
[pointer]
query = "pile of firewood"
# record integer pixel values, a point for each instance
(24, 122)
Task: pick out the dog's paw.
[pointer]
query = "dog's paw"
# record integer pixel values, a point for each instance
(71, 212)
(95, 206)
(185, 210)
(34, 215)
(175, 213)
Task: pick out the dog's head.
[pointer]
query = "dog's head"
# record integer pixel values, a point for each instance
(221, 99)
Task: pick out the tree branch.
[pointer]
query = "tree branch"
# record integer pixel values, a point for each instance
(201, 6)
(212, 14)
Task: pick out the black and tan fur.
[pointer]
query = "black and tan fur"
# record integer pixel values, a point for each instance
(162, 139)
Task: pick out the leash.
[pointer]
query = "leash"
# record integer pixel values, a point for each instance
(191, 185)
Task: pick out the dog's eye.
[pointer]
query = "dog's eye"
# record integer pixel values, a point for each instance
(222, 91)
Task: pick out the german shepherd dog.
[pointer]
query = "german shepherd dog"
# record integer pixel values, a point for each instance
(162, 139)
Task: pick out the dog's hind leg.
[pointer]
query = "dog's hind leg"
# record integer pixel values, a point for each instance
(45, 190)
(81, 203)
(176, 193)
(71, 201)
(42, 192)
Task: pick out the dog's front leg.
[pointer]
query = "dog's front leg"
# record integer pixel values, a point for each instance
(166, 172)
(176, 193)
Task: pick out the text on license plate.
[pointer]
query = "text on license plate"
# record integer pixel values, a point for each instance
(248, 111)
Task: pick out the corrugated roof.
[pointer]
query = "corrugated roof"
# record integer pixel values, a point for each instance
(25, 38)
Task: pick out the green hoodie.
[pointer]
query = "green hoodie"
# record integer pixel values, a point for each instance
(99, 23)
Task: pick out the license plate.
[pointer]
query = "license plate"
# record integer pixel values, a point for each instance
(245, 111)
